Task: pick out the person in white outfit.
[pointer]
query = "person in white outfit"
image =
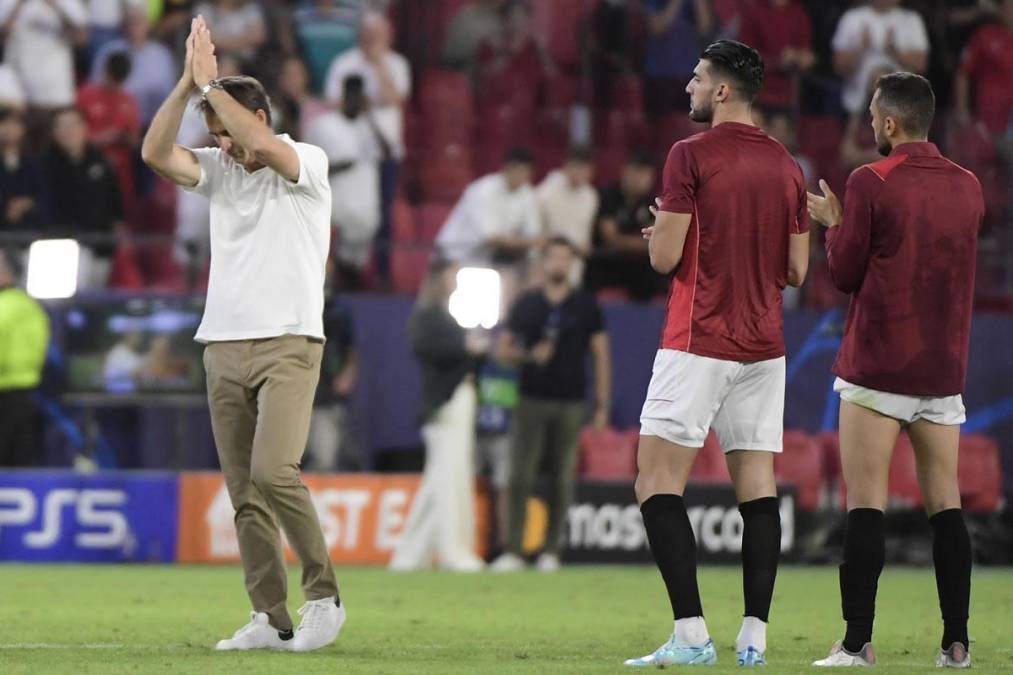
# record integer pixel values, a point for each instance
(441, 525)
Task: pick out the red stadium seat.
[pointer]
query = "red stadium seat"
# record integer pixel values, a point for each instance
(671, 128)
(408, 266)
(429, 220)
(608, 164)
(830, 444)
(904, 489)
(125, 273)
(445, 173)
(801, 465)
(628, 95)
(560, 24)
(402, 222)
(980, 473)
(607, 455)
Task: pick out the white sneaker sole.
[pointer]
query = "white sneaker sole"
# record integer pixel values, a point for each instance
(342, 617)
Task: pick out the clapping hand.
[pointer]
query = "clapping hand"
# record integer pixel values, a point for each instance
(825, 210)
(204, 64)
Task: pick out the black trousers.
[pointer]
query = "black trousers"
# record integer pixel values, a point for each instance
(19, 429)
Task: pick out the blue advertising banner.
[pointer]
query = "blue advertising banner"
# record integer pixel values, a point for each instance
(56, 516)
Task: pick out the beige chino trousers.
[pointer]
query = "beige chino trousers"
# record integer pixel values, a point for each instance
(260, 393)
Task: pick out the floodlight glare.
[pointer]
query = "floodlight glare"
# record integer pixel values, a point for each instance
(52, 268)
(476, 300)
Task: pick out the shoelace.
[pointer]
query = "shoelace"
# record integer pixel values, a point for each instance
(312, 614)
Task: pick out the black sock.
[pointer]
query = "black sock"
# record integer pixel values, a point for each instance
(951, 553)
(864, 552)
(761, 549)
(674, 548)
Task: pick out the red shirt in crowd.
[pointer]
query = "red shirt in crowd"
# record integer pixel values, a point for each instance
(747, 196)
(988, 61)
(905, 251)
(769, 29)
(106, 109)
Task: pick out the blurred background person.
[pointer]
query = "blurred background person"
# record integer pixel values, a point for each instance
(611, 46)
(113, 120)
(294, 107)
(39, 39)
(87, 204)
(620, 259)
(549, 334)
(674, 31)
(568, 204)
(354, 144)
(24, 339)
(329, 439)
(780, 30)
(24, 192)
(441, 523)
(471, 25)
(876, 37)
(386, 77)
(152, 67)
(496, 219)
(238, 27)
(988, 63)
(513, 65)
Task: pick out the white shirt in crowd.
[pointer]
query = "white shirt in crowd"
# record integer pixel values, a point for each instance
(12, 94)
(269, 240)
(567, 210)
(40, 51)
(909, 35)
(488, 208)
(233, 23)
(388, 118)
(355, 192)
(106, 13)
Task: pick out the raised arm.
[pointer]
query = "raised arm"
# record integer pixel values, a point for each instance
(245, 128)
(159, 149)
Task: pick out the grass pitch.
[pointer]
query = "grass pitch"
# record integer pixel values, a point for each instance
(155, 619)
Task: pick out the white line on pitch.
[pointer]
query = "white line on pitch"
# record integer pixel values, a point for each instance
(98, 645)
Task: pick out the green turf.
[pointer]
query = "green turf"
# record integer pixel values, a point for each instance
(582, 620)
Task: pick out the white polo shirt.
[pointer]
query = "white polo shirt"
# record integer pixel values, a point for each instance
(269, 240)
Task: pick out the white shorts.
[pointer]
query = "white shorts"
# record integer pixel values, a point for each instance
(946, 410)
(690, 394)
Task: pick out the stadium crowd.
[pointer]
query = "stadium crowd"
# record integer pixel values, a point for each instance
(417, 102)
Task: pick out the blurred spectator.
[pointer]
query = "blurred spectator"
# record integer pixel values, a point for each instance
(105, 20)
(987, 67)
(620, 258)
(387, 79)
(550, 332)
(441, 524)
(113, 119)
(513, 65)
(674, 32)
(86, 197)
(39, 40)
(858, 144)
(12, 94)
(152, 70)
(295, 109)
(779, 125)
(328, 444)
(496, 219)
(237, 27)
(24, 339)
(877, 37)
(568, 203)
(610, 45)
(472, 25)
(354, 145)
(324, 29)
(781, 32)
(24, 193)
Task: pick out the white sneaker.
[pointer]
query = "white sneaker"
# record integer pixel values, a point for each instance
(954, 657)
(258, 634)
(840, 657)
(507, 562)
(468, 565)
(321, 622)
(547, 562)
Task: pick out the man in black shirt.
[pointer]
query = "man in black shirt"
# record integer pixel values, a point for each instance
(620, 258)
(549, 333)
(328, 443)
(87, 203)
(24, 195)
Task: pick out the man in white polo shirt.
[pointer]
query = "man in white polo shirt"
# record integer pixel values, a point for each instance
(263, 326)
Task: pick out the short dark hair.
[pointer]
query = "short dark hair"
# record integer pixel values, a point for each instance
(559, 240)
(247, 91)
(737, 62)
(581, 153)
(518, 155)
(907, 98)
(642, 157)
(118, 66)
(353, 84)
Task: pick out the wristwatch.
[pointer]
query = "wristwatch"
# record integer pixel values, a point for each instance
(213, 84)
